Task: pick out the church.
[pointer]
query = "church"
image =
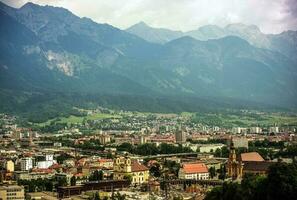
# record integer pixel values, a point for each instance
(251, 162)
(124, 167)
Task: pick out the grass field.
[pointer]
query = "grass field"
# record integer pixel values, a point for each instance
(74, 119)
(246, 120)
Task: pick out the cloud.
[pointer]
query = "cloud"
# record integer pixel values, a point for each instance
(272, 16)
(292, 7)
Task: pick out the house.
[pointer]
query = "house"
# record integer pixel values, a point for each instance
(198, 171)
(125, 168)
(8, 192)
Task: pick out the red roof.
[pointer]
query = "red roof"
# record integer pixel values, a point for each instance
(105, 160)
(137, 167)
(192, 168)
(251, 156)
(42, 170)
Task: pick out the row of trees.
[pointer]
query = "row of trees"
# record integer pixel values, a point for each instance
(281, 183)
(267, 153)
(42, 184)
(153, 149)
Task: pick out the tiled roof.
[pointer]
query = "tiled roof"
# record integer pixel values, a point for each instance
(256, 165)
(191, 168)
(137, 167)
(251, 156)
(105, 160)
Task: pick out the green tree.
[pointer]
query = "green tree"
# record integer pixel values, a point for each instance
(96, 196)
(212, 172)
(282, 181)
(155, 170)
(73, 181)
(100, 175)
(222, 172)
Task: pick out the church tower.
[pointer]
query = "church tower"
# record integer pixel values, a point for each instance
(234, 167)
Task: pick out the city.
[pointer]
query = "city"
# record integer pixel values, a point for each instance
(148, 100)
(150, 156)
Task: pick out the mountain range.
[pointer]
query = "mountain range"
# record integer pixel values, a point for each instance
(285, 42)
(46, 50)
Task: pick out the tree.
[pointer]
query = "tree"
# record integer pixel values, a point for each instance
(212, 172)
(282, 181)
(73, 181)
(118, 196)
(95, 176)
(96, 197)
(100, 175)
(61, 182)
(222, 172)
(155, 170)
(128, 177)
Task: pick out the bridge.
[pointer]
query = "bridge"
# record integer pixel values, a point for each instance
(193, 181)
(170, 155)
(106, 185)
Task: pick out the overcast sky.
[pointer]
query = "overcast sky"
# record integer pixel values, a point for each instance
(272, 16)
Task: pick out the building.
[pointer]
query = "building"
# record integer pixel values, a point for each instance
(207, 148)
(104, 138)
(255, 130)
(240, 142)
(105, 163)
(12, 192)
(254, 163)
(256, 167)
(234, 167)
(143, 139)
(25, 175)
(9, 166)
(236, 130)
(26, 163)
(180, 137)
(49, 161)
(251, 156)
(274, 129)
(125, 168)
(197, 171)
(251, 162)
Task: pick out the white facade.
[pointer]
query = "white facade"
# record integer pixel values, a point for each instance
(274, 129)
(49, 161)
(236, 130)
(210, 148)
(26, 164)
(255, 130)
(196, 176)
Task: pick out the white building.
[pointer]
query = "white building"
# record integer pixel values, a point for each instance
(255, 130)
(49, 161)
(26, 163)
(197, 171)
(236, 130)
(274, 129)
(207, 148)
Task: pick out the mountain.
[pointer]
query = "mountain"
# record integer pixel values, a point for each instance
(49, 52)
(155, 35)
(208, 32)
(284, 43)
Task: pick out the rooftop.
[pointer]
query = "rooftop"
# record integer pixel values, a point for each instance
(191, 168)
(137, 167)
(251, 156)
